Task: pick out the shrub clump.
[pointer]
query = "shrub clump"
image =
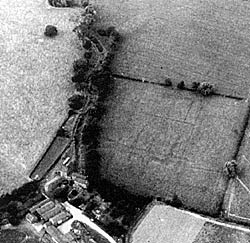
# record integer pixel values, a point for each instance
(50, 31)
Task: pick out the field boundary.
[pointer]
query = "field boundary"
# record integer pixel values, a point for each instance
(166, 86)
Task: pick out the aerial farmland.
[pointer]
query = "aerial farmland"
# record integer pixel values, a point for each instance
(134, 114)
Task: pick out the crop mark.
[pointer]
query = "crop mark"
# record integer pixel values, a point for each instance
(231, 197)
(239, 217)
(245, 187)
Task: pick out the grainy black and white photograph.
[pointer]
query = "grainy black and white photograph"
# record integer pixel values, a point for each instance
(125, 121)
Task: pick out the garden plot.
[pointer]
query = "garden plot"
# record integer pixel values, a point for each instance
(184, 40)
(166, 143)
(35, 74)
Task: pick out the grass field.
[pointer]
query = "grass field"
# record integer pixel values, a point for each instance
(184, 40)
(162, 142)
(35, 74)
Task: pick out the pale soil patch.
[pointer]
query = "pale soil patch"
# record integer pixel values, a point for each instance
(35, 76)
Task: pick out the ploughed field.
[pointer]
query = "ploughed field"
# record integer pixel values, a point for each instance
(167, 143)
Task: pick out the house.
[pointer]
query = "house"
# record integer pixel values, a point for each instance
(31, 218)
